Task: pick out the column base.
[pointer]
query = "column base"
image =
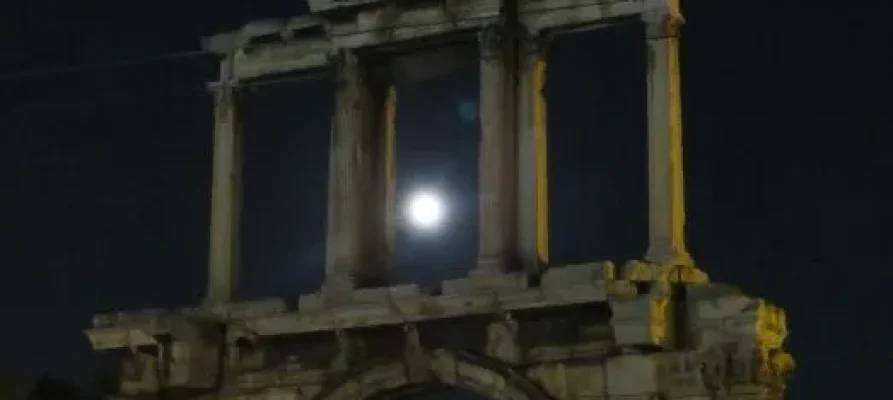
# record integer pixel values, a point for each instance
(489, 266)
(337, 290)
(647, 271)
(669, 258)
(662, 252)
(482, 281)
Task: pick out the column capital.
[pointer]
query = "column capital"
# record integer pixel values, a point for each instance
(492, 40)
(348, 67)
(227, 82)
(220, 86)
(662, 251)
(663, 22)
(225, 99)
(536, 45)
(345, 57)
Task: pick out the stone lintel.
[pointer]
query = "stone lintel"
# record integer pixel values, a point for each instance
(386, 23)
(248, 35)
(541, 15)
(300, 44)
(309, 41)
(292, 56)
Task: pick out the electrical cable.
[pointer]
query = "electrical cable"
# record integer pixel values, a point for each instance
(39, 72)
(142, 98)
(187, 93)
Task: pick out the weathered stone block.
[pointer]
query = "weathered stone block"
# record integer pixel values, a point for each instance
(570, 275)
(682, 375)
(256, 380)
(632, 375)
(319, 6)
(253, 309)
(586, 381)
(194, 365)
(485, 282)
(140, 374)
(584, 292)
(318, 302)
(502, 341)
(643, 321)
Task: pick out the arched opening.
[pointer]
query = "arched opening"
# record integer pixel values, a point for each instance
(433, 391)
(438, 375)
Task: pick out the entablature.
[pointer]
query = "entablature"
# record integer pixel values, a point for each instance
(302, 43)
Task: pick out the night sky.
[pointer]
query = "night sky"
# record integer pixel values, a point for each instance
(105, 165)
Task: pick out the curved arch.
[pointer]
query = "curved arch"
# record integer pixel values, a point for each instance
(481, 375)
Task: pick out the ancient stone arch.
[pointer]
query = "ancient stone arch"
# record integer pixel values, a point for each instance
(649, 329)
(487, 377)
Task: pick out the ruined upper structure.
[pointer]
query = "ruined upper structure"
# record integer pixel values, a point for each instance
(355, 38)
(517, 327)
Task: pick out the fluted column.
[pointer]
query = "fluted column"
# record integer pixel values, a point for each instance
(666, 198)
(356, 228)
(532, 179)
(497, 151)
(223, 259)
(388, 165)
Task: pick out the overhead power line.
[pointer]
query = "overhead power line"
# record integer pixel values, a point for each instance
(39, 72)
(184, 93)
(162, 96)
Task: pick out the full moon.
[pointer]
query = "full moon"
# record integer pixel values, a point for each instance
(425, 210)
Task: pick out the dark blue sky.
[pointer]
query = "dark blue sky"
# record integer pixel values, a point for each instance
(104, 172)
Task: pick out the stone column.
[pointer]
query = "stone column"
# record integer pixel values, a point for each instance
(497, 148)
(355, 232)
(666, 199)
(388, 157)
(223, 258)
(532, 184)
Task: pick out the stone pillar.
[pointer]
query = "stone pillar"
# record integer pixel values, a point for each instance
(355, 230)
(532, 184)
(223, 258)
(497, 148)
(666, 199)
(388, 156)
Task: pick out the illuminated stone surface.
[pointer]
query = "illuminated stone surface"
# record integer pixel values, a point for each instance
(653, 329)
